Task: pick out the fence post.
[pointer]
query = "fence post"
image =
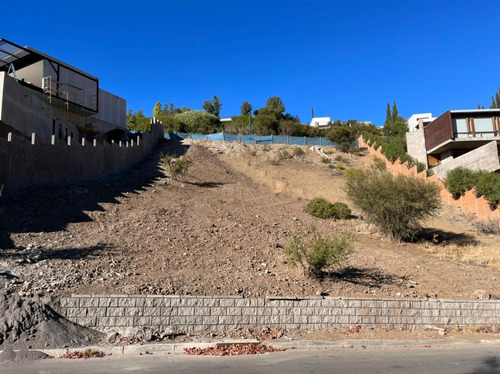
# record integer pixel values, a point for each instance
(239, 138)
(33, 136)
(223, 137)
(287, 139)
(305, 140)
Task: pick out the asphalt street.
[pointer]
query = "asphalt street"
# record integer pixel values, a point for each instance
(460, 359)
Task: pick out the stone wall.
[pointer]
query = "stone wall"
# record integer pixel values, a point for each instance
(206, 313)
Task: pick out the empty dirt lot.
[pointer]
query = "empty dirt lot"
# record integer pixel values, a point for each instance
(221, 231)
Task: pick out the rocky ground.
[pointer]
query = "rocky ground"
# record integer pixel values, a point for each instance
(219, 231)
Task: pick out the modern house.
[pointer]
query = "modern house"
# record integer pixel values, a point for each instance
(417, 121)
(321, 122)
(40, 94)
(468, 138)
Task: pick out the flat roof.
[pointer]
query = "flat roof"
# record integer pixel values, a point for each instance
(479, 111)
(11, 53)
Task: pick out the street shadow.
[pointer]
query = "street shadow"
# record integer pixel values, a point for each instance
(437, 236)
(491, 365)
(367, 277)
(52, 208)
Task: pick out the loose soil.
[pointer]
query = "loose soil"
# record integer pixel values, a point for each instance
(221, 231)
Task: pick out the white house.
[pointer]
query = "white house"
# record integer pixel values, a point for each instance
(321, 122)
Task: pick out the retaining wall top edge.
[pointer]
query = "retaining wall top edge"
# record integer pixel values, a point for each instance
(289, 298)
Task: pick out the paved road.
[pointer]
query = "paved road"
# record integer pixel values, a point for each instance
(483, 359)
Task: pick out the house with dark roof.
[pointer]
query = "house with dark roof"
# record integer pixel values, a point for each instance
(467, 138)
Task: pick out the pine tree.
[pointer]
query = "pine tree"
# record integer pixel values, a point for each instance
(388, 114)
(497, 99)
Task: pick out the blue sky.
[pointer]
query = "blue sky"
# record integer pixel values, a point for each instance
(344, 58)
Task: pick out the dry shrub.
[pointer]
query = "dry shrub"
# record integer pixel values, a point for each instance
(395, 204)
(317, 253)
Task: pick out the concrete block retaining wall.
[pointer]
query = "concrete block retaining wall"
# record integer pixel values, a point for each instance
(205, 313)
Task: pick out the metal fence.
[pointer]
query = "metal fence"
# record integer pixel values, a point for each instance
(256, 139)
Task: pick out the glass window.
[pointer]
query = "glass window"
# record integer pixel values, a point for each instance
(460, 128)
(484, 127)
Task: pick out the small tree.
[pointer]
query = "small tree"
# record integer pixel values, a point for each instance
(246, 108)
(395, 204)
(213, 107)
(157, 111)
(318, 253)
(343, 136)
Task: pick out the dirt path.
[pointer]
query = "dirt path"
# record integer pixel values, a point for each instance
(221, 231)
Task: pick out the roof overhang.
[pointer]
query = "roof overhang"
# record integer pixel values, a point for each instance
(20, 57)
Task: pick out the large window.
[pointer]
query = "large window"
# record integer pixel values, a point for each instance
(479, 127)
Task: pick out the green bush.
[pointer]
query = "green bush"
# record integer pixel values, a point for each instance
(177, 166)
(318, 253)
(341, 210)
(342, 159)
(343, 136)
(394, 150)
(395, 204)
(285, 155)
(297, 151)
(488, 185)
(196, 121)
(379, 164)
(321, 208)
(325, 160)
(460, 180)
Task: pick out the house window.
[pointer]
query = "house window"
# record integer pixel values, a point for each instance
(483, 127)
(461, 127)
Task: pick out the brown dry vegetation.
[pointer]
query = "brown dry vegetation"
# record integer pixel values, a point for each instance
(221, 231)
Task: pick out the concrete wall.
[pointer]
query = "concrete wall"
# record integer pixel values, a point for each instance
(27, 113)
(112, 111)
(415, 142)
(24, 165)
(207, 313)
(482, 158)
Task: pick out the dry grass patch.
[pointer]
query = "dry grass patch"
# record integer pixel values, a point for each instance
(479, 254)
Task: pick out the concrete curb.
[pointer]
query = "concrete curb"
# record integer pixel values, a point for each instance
(299, 344)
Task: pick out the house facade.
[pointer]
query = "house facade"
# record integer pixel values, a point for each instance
(40, 94)
(468, 138)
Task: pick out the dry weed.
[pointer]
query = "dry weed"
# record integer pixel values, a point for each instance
(479, 254)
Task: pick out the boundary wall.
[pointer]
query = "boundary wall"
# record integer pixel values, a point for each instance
(208, 313)
(469, 203)
(25, 164)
